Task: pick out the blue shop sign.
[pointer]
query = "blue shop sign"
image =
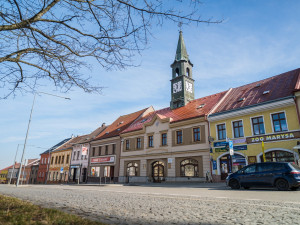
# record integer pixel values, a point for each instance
(214, 165)
(240, 147)
(220, 144)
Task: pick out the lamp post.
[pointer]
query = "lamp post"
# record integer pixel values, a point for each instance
(24, 148)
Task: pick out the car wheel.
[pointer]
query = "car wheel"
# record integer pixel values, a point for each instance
(294, 188)
(246, 188)
(234, 184)
(282, 185)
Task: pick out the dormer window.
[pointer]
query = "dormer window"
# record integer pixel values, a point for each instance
(266, 92)
(200, 106)
(258, 85)
(241, 99)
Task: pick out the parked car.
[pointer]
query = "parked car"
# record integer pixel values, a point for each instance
(282, 175)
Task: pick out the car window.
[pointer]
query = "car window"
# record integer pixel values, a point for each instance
(265, 167)
(250, 169)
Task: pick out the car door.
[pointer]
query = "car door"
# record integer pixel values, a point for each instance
(264, 174)
(247, 177)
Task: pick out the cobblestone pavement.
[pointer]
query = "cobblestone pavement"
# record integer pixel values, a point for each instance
(166, 205)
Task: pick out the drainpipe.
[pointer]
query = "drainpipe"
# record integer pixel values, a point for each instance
(208, 126)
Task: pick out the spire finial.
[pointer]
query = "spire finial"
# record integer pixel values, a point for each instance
(181, 53)
(180, 26)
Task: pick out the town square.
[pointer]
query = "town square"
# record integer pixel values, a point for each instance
(150, 112)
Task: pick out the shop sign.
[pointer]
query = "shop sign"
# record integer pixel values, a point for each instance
(214, 165)
(74, 167)
(61, 170)
(240, 147)
(84, 150)
(238, 141)
(230, 147)
(221, 149)
(273, 137)
(220, 144)
(110, 159)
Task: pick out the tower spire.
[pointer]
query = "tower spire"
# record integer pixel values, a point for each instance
(181, 53)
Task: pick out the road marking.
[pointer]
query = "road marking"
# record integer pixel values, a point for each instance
(253, 199)
(221, 197)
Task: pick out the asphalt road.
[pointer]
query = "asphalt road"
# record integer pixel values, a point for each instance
(166, 203)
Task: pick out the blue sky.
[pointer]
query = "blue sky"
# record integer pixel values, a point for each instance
(257, 39)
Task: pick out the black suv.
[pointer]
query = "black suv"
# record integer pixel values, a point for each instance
(282, 175)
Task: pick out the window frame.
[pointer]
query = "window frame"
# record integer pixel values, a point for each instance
(199, 134)
(179, 138)
(272, 121)
(217, 131)
(233, 130)
(138, 143)
(150, 141)
(164, 137)
(127, 144)
(252, 126)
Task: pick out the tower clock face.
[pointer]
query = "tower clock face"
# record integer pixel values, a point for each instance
(177, 87)
(189, 87)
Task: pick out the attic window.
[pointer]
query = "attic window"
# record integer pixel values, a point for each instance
(241, 99)
(118, 129)
(143, 120)
(107, 133)
(266, 92)
(200, 106)
(258, 85)
(120, 123)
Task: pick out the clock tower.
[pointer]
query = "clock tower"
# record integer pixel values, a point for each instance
(182, 83)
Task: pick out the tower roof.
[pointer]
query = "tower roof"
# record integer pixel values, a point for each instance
(181, 53)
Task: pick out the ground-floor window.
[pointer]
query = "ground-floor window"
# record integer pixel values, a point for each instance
(189, 168)
(95, 171)
(278, 156)
(107, 171)
(231, 164)
(132, 169)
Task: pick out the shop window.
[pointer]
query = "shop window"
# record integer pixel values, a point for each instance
(150, 141)
(221, 129)
(279, 122)
(179, 137)
(238, 129)
(258, 125)
(164, 139)
(95, 171)
(196, 132)
(278, 156)
(189, 168)
(107, 171)
(138, 143)
(132, 169)
(127, 144)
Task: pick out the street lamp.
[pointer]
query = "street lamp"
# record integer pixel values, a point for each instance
(29, 127)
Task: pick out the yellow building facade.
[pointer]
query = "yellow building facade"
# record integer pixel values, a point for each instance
(264, 113)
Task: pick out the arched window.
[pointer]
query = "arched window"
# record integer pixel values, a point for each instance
(132, 169)
(188, 72)
(189, 168)
(278, 156)
(177, 72)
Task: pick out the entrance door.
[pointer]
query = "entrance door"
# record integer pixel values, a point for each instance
(158, 171)
(74, 174)
(225, 164)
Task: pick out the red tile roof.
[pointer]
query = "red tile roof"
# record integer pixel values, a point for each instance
(91, 136)
(120, 125)
(6, 168)
(197, 108)
(278, 87)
